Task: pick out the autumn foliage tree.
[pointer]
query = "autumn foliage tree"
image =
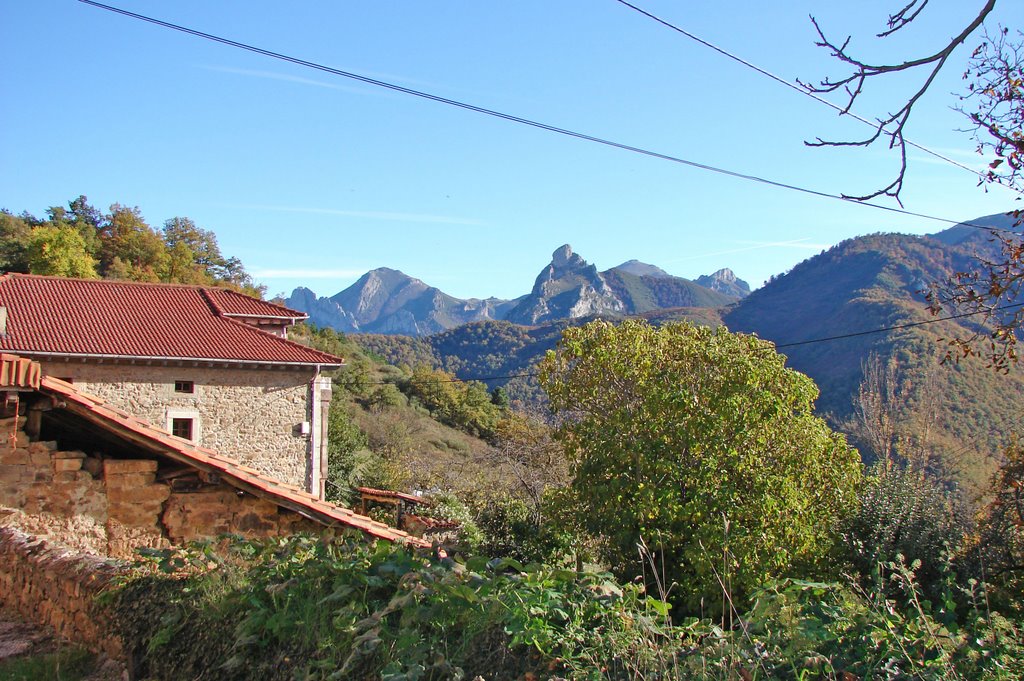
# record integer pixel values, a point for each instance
(82, 241)
(701, 446)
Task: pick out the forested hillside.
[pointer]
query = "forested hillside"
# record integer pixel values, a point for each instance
(961, 413)
(498, 353)
(82, 241)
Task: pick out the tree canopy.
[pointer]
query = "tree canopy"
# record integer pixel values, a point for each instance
(82, 241)
(701, 445)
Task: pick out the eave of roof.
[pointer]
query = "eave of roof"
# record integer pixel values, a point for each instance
(187, 360)
(19, 373)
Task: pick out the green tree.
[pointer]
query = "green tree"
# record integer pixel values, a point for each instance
(904, 512)
(995, 552)
(700, 445)
(129, 238)
(347, 454)
(14, 239)
(59, 251)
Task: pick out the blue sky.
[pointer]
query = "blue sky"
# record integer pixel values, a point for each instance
(312, 179)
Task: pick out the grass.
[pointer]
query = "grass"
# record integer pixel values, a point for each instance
(69, 664)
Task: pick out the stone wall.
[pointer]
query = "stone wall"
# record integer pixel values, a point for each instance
(49, 585)
(113, 506)
(248, 414)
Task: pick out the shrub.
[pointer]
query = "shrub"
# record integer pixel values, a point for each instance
(904, 513)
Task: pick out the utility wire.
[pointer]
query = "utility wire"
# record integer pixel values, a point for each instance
(792, 86)
(824, 339)
(524, 121)
(897, 327)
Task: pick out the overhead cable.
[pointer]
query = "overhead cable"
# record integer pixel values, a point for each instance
(526, 121)
(792, 86)
(776, 346)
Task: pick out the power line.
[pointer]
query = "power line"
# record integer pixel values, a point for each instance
(897, 327)
(523, 121)
(824, 339)
(790, 85)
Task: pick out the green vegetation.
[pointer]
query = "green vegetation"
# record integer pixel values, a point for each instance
(403, 429)
(69, 664)
(761, 557)
(688, 443)
(81, 241)
(303, 608)
(468, 406)
(644, 294)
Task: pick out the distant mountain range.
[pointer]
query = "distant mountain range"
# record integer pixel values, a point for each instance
(961, 413)
(388, 301)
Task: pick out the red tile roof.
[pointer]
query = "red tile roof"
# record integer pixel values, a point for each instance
(120, 319)
(234, 304)
(391, 494)
(18, 372)
(232, 472)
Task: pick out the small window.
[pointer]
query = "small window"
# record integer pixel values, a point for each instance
(181, 428)
(184, 386)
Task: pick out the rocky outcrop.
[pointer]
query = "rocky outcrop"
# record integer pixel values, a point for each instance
(725, 281)
(568, 288)
(391, 302)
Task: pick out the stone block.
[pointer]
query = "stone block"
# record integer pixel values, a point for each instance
(66, 465)
(14, 473)
(93, 466)
(11, 495)
(253, 523)
(130, 481)
(130, 495)
(134, 516)
(15, 457)
(20, 439)
(43, 446)
(68, 455)
(8, 423)
(116, 467)
(39, 457)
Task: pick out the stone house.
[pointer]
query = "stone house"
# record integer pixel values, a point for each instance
(211, 366)
(111, 482)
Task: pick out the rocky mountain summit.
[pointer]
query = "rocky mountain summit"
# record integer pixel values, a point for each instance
(388, 301)
(568, 288)
(725, 281)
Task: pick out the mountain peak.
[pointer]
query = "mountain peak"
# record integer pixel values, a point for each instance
(725, 281)
(562, 255)
(642, 269)
(564, 260)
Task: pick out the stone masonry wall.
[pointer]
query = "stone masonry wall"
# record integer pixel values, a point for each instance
(247, 414)
(50, 585)
(113, 506)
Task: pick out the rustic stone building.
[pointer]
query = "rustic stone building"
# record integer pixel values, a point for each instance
(211, 366)
(109, 482)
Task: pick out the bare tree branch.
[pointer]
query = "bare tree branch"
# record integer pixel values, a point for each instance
(893, 124)
(904, 17)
